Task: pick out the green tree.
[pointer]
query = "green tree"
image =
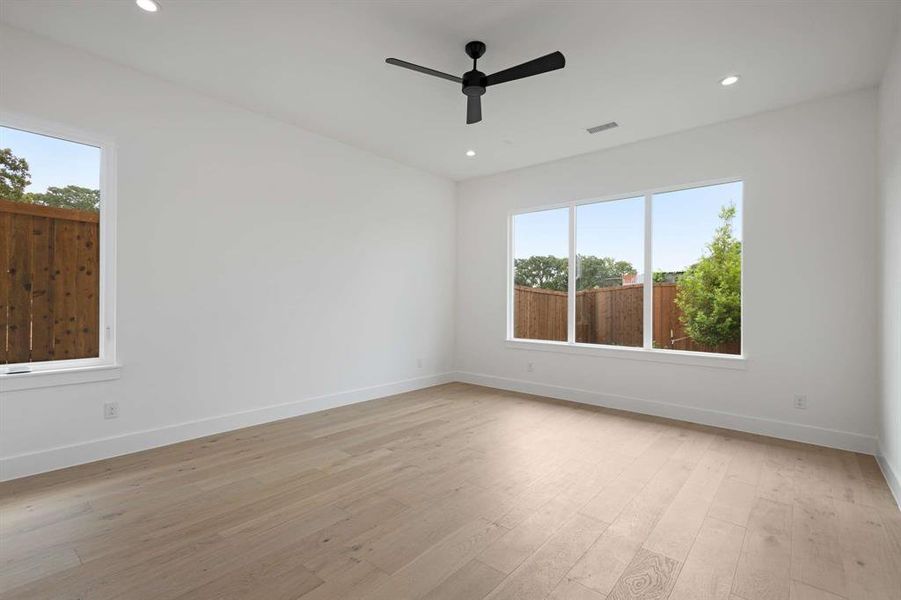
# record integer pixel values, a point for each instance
(709, 292)
(71, 196)
(667, 276)
(547, 272)
(552, 273)
(14, 175)
(599, 272)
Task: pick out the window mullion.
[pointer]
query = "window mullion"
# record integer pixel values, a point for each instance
(571, 287)
(648, 289)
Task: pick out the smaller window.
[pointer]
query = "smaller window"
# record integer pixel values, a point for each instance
(541, 275)
(53, 269)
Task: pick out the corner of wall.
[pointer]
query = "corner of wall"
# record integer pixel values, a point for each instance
(891, 477)
(889, 341)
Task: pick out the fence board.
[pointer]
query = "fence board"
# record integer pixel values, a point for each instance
(585, 308)
(65, 253)
(19, 327)
(5, 283)
(87, 284)
(41, 310)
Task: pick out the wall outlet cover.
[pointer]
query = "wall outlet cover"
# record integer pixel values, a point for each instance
(111, 410)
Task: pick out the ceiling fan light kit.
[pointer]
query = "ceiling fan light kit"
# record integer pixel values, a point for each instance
(475, 83)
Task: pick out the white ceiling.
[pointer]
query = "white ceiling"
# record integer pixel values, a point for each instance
(651, 66)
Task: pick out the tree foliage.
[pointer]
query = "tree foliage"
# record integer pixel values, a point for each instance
(709, 292)
(546, 272)
(71, 196)
(667, 276)
(595, 272)
(552, 272)
(15, 177)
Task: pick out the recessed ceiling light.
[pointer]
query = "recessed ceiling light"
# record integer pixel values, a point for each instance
(470, 153)
(730, 80)
(148, 5)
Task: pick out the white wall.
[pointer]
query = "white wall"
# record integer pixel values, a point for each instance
(258, 265)
(890, 314)
(810, 274)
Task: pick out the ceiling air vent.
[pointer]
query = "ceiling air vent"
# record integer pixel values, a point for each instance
(603, 127)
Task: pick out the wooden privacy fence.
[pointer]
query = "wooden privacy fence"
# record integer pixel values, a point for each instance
(612, 316)
(49, 283)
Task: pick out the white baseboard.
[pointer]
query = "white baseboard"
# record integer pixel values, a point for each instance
(891, 477)
(810, 434)
(22, 465)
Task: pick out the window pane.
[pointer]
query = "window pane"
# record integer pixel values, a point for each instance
(610, 260)
(541, 274)
(697, 269)
(49, 221)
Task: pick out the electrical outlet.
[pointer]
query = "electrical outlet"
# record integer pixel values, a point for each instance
(800, 402)
(419, 363)
(530, 367)
(111, 410)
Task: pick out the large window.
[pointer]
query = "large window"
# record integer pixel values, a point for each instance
(55, 250)
(661, 271)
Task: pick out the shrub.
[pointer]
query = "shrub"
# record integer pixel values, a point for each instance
(709, 292)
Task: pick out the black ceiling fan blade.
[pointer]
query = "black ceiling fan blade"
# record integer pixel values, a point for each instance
(473, 109)
(549, 62)
(407, 65)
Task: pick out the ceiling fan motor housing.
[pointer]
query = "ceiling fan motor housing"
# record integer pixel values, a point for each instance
(474, 83)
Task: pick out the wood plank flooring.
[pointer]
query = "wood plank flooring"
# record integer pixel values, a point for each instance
(458, 492)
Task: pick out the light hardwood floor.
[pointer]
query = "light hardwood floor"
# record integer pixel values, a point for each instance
(458, 492)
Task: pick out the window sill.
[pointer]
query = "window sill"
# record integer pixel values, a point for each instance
(697, 359)
(12, 382)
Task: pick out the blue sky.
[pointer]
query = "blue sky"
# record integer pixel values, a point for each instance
(683, 223)
(54, 162)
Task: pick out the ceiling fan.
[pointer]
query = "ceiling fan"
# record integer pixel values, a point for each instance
(475, 82)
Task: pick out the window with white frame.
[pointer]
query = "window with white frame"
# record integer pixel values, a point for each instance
(660, 271)
(57, 234)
